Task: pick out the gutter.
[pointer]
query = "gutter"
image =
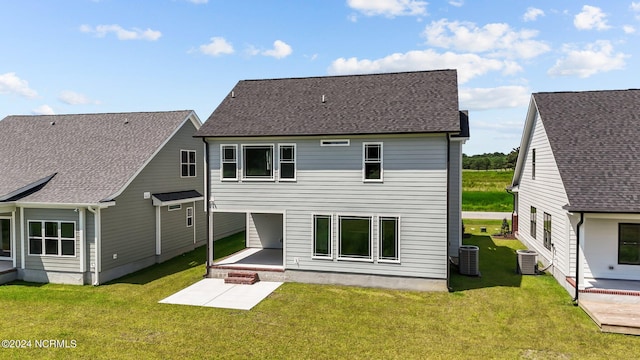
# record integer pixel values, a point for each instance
(97, 243)
(207, 198)
(575, 298)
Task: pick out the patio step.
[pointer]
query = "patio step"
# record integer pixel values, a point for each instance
(242, 277)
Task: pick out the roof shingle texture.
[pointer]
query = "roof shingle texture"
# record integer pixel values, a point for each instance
(410, 102)
(595, 138)
(94, 155)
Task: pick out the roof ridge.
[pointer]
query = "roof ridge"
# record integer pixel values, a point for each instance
(584, 91)
(102, 113)
(351, 75)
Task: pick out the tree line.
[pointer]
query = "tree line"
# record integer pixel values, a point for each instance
(491, 161)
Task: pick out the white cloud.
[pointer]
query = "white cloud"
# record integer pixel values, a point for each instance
(591, 17)
(496, 39)
(592, 59)
(468, 65)
(635, 6)
(74, 98)
(628, 29)
(456, 3)
(217, 46)
(198, 1)
(532, 14)
(389, 8)
(280, 50)
(121, 33)
(10, 83)
(494, 98)
(43, 110)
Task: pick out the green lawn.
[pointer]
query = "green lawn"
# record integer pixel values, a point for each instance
(485, 190)
(498, 315)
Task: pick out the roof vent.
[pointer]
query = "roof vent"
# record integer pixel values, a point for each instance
(322, 98)
(52, 123)
(233, 94)
(126, 121)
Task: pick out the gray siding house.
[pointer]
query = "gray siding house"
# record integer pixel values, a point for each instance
(346, 179)
(85, 199)
(577, 186)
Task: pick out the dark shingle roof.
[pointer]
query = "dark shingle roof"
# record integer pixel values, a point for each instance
(177, 195)
(595, 138)
(92, 155)
(410, 102)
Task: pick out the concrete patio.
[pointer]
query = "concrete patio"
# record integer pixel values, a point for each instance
(215, 293)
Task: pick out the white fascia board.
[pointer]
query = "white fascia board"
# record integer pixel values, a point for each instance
(39, 205)
(157, 202)
(7, 207)
(527, 132)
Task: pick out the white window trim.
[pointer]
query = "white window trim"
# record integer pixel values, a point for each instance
(222, 146)
(379, 239)
(174, 207)
(339, 238)
(295, 163)
(195, 171)
(273, 155)
(59, 238)
(364, 161)
(335, 142)
(187, 211)
(313, 235)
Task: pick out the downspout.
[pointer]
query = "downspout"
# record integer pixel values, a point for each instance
(575, 298)
(96, 243)
(513, 207)
(210, 247)
(448, 210)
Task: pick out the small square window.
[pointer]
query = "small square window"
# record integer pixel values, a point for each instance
(258, 162)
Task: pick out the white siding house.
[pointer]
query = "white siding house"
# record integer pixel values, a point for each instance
(577, 188)
(350, 179)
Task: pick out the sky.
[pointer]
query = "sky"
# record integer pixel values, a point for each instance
(89, 56)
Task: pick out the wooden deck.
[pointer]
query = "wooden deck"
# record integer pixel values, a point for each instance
(614, 305)
(7, 271)
(621, 318)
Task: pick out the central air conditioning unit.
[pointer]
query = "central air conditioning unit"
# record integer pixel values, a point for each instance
(468, 260)
(527, 262)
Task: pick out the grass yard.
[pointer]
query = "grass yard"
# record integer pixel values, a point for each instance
(485, 190)
(499, 315)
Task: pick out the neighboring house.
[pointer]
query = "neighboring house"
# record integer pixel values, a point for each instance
(88, 198)
(347, 179)
(577, 187)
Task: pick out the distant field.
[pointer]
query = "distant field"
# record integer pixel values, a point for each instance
(485, 190)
